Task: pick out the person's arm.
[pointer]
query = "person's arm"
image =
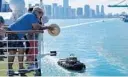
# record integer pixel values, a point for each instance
(34, 31)
(37, 26)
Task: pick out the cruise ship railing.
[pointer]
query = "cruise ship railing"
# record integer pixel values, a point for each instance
(40, 47)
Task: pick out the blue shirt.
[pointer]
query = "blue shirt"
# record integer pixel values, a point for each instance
(24, 23)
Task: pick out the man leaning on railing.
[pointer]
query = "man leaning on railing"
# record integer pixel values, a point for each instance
(32, 49)
(28, 22)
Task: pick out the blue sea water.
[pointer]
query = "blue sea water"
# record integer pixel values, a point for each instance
(102, 46)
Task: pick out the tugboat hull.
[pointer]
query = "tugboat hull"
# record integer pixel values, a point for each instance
(78, 66)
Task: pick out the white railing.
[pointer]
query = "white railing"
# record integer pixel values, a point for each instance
(4, 63)
(53, 32)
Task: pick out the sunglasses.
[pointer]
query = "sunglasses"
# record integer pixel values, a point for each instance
(40, 12)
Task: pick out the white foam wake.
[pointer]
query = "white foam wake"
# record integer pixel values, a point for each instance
(84, 23)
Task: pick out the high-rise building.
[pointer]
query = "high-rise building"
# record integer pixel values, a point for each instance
(0, 5)
(73, 13)
(87, 11)
(92, 13)
(54, 10)
(60, 11)
(65, 3)
(66, 7)
(109, 15)
(102, 11)
(69, 12)
(97, 11)
(5, 7)
(79, 12)
(48, 9)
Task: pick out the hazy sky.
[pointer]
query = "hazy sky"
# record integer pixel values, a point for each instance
(81, 3)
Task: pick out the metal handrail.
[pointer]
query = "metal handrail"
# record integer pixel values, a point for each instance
(24, 31)
(33, 40)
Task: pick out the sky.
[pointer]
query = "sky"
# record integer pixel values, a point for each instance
(81, 3)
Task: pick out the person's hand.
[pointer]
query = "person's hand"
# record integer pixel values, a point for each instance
(50, 28)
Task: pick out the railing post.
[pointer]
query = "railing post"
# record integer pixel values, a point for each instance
(40, 51)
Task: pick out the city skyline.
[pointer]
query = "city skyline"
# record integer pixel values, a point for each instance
(65, 11)
(81, 3)
(55, 10)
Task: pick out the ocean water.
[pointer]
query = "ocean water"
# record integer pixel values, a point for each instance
(101, 44)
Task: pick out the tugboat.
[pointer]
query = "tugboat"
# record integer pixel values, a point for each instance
(71, 63)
